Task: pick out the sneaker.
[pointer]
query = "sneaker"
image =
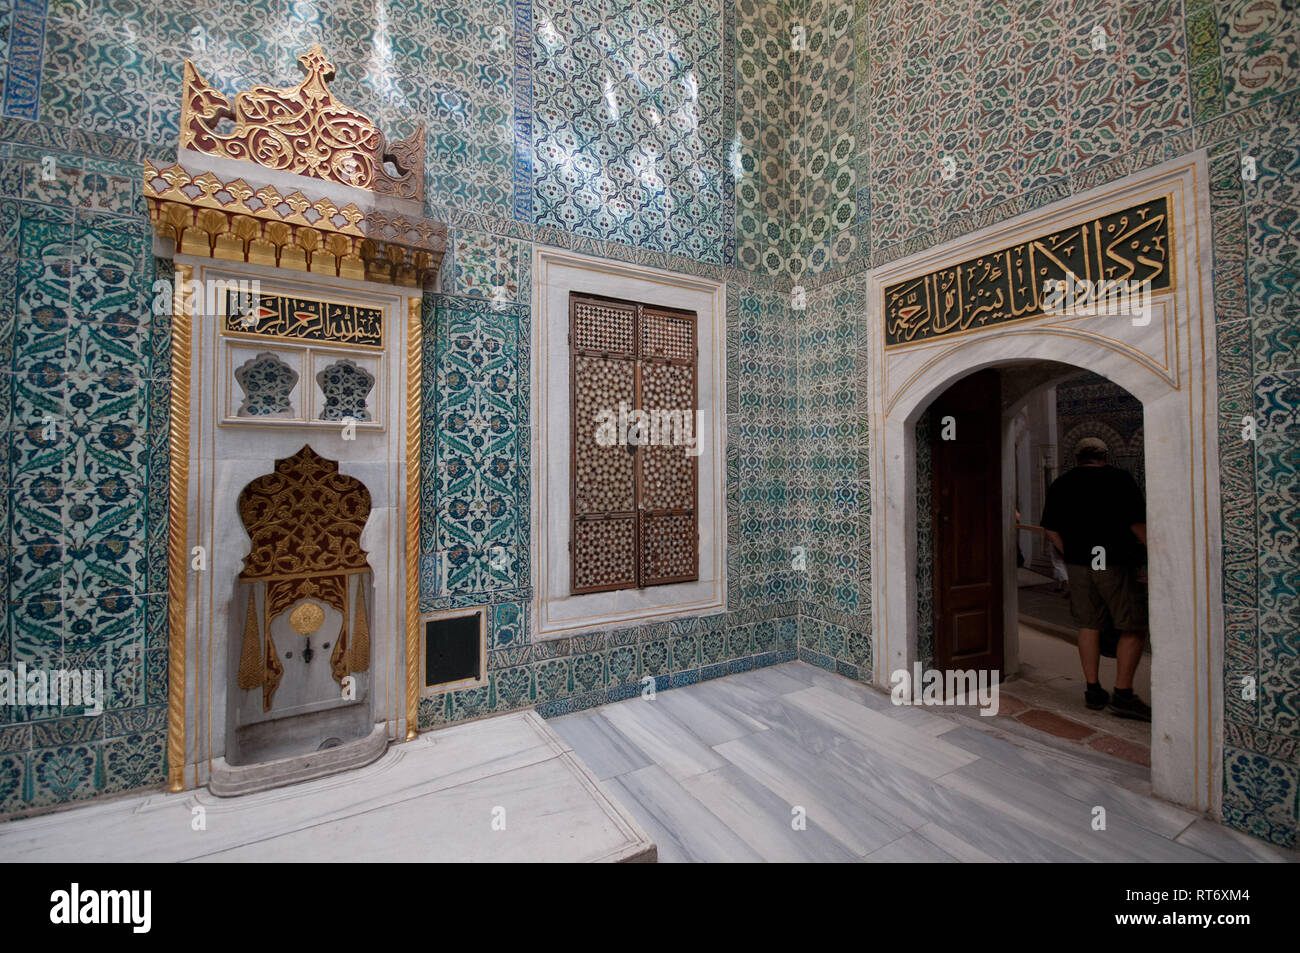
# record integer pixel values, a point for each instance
(1096, 698)
(1130, 706)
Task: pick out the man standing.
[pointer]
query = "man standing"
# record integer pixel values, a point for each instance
(1096, 517)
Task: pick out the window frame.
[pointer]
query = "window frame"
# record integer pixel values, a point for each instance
(555, 613)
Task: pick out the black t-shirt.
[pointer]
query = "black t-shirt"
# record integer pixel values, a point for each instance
(1095, 506)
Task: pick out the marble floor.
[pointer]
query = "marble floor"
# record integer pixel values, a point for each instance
(724, 770)
(503, 789)
(720, 771)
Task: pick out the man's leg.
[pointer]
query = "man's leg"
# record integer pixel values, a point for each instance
(1088, 612)
(1127, 655)
(1090, 653)
(1128, 604)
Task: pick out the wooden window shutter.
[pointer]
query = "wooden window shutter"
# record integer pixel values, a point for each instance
(602, 351)
(666, 472)
(634, 490)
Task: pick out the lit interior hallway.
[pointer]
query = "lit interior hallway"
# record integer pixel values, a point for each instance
(716, 771)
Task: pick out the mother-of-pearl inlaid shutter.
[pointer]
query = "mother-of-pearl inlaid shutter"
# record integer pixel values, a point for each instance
(602, 348)
(633, 490)
(666, 479)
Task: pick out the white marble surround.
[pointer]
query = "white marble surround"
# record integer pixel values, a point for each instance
(555, 274)
(1170, 366)
(225, 456)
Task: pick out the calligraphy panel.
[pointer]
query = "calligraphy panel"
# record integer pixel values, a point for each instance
(302, 319)
(1134, 245)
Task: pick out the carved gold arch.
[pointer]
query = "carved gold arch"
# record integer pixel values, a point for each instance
(304, 522)
(268, 215)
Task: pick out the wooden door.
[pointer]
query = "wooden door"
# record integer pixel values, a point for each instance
(967, 499)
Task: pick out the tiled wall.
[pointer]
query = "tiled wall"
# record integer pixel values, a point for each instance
(84, 362)
(1015, 93)
(830, 498)
(476, 498)
(628, 123)
(603, 127)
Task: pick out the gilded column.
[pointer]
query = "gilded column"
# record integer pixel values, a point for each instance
(414, 389)
(178, 498)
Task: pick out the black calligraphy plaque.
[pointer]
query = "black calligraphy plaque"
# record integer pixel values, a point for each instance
(303, 319)
(1133, 245)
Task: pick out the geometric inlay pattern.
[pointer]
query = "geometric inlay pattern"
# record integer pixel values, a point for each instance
(634, 459)
(603, 476)
(604, 554)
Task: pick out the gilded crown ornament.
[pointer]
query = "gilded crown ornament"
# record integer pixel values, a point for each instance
(302, 129)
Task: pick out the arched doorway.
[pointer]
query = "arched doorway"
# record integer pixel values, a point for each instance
(996, 433)
(1168, 365)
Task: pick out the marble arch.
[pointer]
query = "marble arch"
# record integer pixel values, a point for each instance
(1169, 366)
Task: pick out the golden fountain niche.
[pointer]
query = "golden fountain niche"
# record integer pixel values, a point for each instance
(306, 586)
(302, 252)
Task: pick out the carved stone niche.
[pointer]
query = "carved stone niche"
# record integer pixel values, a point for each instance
(303, 655)
(296, 229)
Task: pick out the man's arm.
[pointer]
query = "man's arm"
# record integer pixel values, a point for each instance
(1136, 510)
(1049, 520)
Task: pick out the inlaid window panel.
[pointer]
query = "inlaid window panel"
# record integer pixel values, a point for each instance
(634, 460)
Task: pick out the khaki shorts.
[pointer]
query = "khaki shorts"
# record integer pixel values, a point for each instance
(1096, 592)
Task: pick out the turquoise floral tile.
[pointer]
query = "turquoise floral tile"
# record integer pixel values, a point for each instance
(1260, 48)
(59, 775)
(622, 665)
(588, 672)
(1260, 795)
(654, 658)
(553, 679)
(134, 761)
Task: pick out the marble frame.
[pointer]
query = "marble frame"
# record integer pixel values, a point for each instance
(204, 644)
(559, 613)
(455, 684)
(1170, 367)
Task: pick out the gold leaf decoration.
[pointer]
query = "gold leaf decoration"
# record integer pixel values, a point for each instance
(302, 129)
(359, 658)
(251, 665)
(306, 517)
(307, 618)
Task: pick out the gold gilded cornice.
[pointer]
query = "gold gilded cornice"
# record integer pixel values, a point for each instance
(301, 129)
(233, 221)
(206, 191)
